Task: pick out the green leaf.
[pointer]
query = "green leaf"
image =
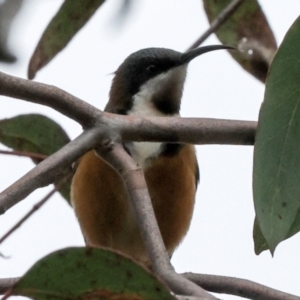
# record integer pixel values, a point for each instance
(35, 133)
(260, 243)
(91, 273)
(71, 17)
(276, 173)
(248, 29)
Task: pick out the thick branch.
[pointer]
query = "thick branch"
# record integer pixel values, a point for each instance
(197, 131)
(186, 130)
(136, 186)
(192, 130)
(238, 287)
(65, 103)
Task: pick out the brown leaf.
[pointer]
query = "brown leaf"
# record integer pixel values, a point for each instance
(248, 30)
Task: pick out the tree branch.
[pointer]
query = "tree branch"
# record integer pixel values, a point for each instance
(238, 287)
(218, 22)
(7, 283)
(49, 169)
(25, 154)
(106, 128)
(34, 209)
(216, 284)
(136, 186)
(192, 130)
(65, 103)
(186, 130)
(198, 131)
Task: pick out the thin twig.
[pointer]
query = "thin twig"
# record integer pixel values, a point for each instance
(7, 283)
(34, 209)
(25, 154)
(238, 287)
(180, 297)
(136, 186)
(217, 22)
(6, 295)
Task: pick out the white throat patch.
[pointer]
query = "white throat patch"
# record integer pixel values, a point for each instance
(143, 152)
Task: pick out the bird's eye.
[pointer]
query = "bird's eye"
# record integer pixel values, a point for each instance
(151, 68)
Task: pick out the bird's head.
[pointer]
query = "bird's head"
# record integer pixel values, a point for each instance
(150, 81)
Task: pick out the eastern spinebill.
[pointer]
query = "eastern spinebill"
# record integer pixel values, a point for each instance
(148, 83)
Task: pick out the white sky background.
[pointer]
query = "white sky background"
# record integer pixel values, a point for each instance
(220, 238)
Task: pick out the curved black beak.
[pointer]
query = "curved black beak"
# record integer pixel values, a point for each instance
(188, 56)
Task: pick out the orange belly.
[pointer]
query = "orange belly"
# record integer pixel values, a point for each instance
(104, 211)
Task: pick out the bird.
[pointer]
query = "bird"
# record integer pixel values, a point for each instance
(148, 83)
